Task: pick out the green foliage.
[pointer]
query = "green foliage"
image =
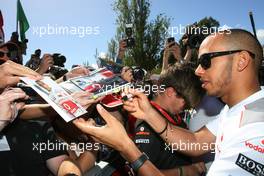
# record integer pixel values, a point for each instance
(208, 25)
(86, 63)
(112, 49)
(149, 34)
(208, 22)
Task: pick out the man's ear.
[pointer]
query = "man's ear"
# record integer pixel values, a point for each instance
(170, 92)
(243, 60)
(182, 102)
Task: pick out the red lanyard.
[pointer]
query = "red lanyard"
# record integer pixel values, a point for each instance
(166, 115)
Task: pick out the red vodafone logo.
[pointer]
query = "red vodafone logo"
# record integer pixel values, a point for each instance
(262, 142)
(258, 148)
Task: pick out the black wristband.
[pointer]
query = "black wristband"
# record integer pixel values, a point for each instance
(166, 126)
(135, 165)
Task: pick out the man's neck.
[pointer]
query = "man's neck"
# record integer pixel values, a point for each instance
(236, 97)
(160, 101)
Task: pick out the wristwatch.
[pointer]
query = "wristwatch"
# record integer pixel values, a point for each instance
(135, 165)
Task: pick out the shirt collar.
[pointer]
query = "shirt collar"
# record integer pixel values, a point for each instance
(239, 106)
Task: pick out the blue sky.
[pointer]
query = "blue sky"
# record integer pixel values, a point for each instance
(98, 18)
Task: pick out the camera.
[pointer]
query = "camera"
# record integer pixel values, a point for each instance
(170, 39)
(130, 41)
(37, 53)
(59, 59)
(194, 41)
(25, 41)
(171, 59)
(138, 73)
(57, 71)
(195, 36)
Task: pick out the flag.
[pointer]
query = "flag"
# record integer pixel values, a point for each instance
(22, 20)
(2, 35)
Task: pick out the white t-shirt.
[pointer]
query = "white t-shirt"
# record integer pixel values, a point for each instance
(239, 135)
(207, 111)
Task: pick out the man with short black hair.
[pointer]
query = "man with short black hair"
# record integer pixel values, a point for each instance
(228, 67)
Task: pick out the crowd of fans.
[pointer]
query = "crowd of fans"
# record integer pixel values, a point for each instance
(145, 135)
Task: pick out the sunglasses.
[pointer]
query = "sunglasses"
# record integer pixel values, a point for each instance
(205, 59)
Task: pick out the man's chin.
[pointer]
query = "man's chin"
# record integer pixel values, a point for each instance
(212, 93)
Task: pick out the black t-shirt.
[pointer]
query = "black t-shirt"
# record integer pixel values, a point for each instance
(25, 158)
(149, 142)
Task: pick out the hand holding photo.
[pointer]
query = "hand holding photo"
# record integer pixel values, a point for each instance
(57, 97)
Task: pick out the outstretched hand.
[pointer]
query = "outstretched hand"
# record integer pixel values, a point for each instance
(9, 108)
(11, 71)
(112, 134)
(77, 71)
(139, 105)
(84, 98)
